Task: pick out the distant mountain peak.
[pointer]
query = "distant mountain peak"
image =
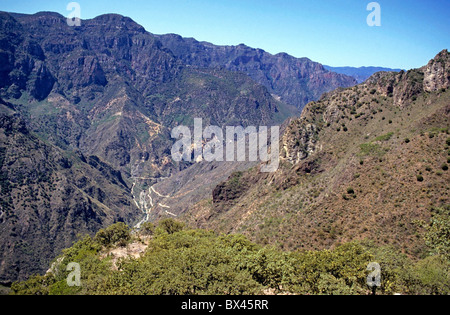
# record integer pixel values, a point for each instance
(296, 81)
(361, 74)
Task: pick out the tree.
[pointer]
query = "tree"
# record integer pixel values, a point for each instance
(170, 226)
(117, 234)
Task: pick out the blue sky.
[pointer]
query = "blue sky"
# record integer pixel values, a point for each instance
(332, 32)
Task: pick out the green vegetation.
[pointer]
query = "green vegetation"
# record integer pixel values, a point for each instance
(385, 137)
(117, 234)
(375, 149)
(372, 149)
(438, 232)
(196, 262)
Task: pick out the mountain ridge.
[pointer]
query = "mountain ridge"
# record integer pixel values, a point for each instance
(106, 96)
(296, 81)
(361, 74)
(367, 162)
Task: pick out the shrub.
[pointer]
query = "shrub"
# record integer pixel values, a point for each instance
(420, 178)
(117, 234)
(147, 229)
(169, 226)
(444, 167)
(438, 232)
(330, 285)
(428, 277)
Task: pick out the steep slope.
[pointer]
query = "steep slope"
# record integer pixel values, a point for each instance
(368, 162)
(87, 113)
(296, 81)
(109, 88)
(48, 196)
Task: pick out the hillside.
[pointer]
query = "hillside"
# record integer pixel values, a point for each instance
(168, 259)
(296, 81)
(118, 97)
(86, 115)
(364, 178)
(90, 110)
(363, 163)
(48, 196)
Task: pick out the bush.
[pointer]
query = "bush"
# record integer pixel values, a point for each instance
(330, 285)
(438, 232)
(444, 167)
(429, 276)
(199, 262)
(169, 226)
(147, 229)
(117, 234)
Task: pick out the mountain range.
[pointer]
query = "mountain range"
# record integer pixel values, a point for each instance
(361, 74)
(86, 117)
(364, 179)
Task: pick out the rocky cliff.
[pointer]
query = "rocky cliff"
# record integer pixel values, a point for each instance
(296, 81)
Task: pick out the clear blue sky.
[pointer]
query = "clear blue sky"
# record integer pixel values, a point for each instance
(333, 32)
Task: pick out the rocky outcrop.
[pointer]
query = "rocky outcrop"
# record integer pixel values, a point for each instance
(436, 75)
(404, 86)
(298, 141)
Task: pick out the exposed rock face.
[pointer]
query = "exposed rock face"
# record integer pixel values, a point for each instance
(436, 73)
(296, 81)
(403, 86)
(299, 141)
(111, 89)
